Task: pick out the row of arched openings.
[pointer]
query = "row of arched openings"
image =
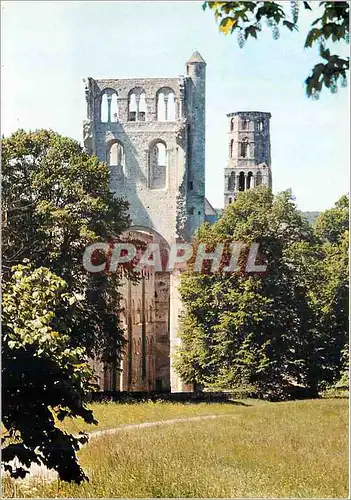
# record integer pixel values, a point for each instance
(137, 105)
(157, 164)
(245, 124)
(244, 182)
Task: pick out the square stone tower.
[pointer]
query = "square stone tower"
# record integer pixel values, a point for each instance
(151, 133)
(249, 153)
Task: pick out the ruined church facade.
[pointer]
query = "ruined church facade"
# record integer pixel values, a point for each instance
(151, 133)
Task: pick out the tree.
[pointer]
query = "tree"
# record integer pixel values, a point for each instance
(332, 224)
(331, 25)
(42, 375)
(56, 201)
(258, 330)
(331, 290)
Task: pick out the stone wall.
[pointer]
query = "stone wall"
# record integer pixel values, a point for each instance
(130, 122)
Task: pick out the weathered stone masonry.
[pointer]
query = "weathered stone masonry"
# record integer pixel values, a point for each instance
(249, 153)
(151, 133)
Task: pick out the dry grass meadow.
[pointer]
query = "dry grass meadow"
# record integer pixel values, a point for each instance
(253, 449)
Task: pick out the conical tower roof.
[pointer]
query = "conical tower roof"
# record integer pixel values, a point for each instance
(196, 58)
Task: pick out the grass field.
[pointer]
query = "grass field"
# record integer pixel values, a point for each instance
(256, 449)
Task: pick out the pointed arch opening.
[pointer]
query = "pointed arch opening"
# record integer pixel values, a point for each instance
(258, 178)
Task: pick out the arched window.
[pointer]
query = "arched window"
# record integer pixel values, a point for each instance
(231, 149)
(161, 108)
(231, 181)
(109, 106)
(166, 105)
(258, 178)
(244, 124)
(249, 181)
(232, 124)
(104, 109)
(171, 108)
(114, 108)
(142, 108)
(116, 163)
(244, 148)
(132, 108)
(230, 201)
(241, 181)
(158, 165)
(137, 105)
(259, 125)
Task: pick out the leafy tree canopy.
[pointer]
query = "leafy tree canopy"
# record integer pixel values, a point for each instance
(42, 375)
(331, 26)
(56, 201)
(273, 331)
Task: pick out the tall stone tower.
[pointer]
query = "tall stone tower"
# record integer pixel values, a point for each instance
(151, 133)
(249, 153)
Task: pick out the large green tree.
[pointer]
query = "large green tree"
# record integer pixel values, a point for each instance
(55, 202)
(330, 26)
(43, 376)
(252, 329)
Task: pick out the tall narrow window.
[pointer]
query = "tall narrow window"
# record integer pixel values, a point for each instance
(231, 149)
(231, 181)
(158, 166)
(137, 105)
(114, 108)
(244, 148)
(104, 108)
(116, 165)
(244, 124)
(259, 125)
(230, 201)
(132, 114)
(142, 108)
(166, 105)
(109, 106)
(232, 124)
(249, 181)
(241, 181)
(170, 108)
(258, 178)
(161, 108)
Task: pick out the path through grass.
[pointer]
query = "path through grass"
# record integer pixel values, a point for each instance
(272, 450)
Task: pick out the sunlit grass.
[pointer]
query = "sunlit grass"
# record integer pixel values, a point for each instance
(293, 449)
(110, 415)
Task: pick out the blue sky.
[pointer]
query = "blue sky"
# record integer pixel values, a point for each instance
(49, 47)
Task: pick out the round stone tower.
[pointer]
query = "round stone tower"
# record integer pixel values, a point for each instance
(249, 153)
